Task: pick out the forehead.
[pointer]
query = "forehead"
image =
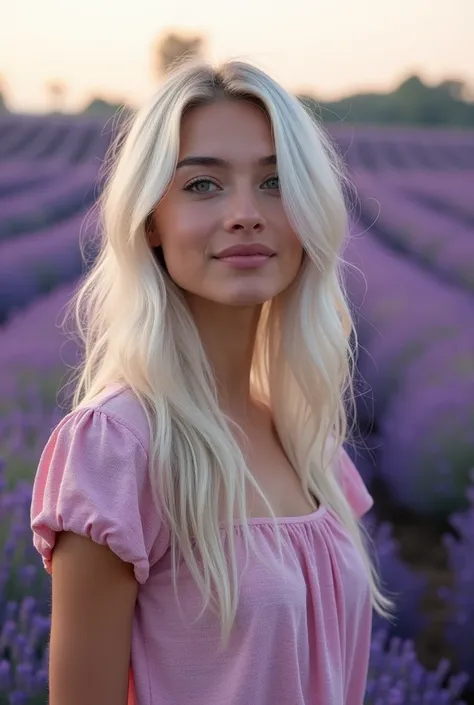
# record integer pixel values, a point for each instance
(235, 130)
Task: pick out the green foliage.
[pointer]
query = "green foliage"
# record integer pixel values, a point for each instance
(99, 107)
(412, 103)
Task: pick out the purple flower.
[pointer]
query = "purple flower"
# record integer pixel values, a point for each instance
(460, 595)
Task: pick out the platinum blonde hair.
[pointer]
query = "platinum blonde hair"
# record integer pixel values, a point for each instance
(136, 328)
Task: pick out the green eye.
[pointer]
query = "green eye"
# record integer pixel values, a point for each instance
(198, 182)
(273, 178)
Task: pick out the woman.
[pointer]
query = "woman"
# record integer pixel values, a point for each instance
(196, 509)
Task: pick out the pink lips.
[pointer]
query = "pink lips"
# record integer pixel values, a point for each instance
(246, 256)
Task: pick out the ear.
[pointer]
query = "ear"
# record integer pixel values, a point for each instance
(151, 232)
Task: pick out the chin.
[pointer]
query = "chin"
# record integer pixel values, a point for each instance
(246, 298)
(246, 301)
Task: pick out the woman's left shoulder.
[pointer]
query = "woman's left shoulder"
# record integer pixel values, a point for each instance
(352, 484)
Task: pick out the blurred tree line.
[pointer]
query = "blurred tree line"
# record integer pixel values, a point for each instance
(413, 102)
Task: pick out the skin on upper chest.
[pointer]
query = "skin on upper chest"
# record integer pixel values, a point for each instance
(273, 471)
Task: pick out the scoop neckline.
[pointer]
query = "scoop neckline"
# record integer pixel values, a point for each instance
(301, 519)
(255, 521)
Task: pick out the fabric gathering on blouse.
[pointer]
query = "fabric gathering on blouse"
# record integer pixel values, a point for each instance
(303, 627)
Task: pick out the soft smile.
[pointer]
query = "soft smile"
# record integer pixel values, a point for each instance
(245, 261)
(246, 256)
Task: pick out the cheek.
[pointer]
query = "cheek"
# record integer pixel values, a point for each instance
(292, 262)
(184, 251)
(294, 251)
(186, 238)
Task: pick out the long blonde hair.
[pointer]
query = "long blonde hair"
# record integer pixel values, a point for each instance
(136, 328)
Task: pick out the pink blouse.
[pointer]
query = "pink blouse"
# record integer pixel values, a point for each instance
(303, 628)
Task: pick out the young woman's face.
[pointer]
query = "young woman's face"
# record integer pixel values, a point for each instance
(225, 193)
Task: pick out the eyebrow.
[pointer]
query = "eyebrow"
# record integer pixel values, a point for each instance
(222, 163)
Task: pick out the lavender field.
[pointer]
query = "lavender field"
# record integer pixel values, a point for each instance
(411, 283)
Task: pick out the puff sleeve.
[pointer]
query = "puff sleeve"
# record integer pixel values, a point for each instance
(92, 479)
(353, 486)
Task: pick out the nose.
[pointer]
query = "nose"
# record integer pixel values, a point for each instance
(243, 214)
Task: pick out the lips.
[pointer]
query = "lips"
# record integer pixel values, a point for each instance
(256, 249)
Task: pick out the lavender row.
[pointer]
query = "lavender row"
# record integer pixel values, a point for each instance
(419, 381)
(35, 264)
(36, 328)
(396, 677)
(428, 429)
(450, 192)
(24, 601)
(385, 150)
(72, 139)
(459, 596)
(443, 244)
(455, 188)
(17, 176)
(77, 145)
(400, 311)
(49, 201)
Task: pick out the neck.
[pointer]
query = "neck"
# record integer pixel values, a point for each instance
(228, 337)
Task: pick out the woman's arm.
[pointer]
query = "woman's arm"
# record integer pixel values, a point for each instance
(93, 602)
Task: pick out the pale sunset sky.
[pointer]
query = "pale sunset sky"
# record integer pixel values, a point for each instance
(328, 47)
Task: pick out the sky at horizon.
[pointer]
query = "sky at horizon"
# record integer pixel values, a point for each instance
(328, 48)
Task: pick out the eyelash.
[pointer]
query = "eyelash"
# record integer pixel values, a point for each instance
(200, 179)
